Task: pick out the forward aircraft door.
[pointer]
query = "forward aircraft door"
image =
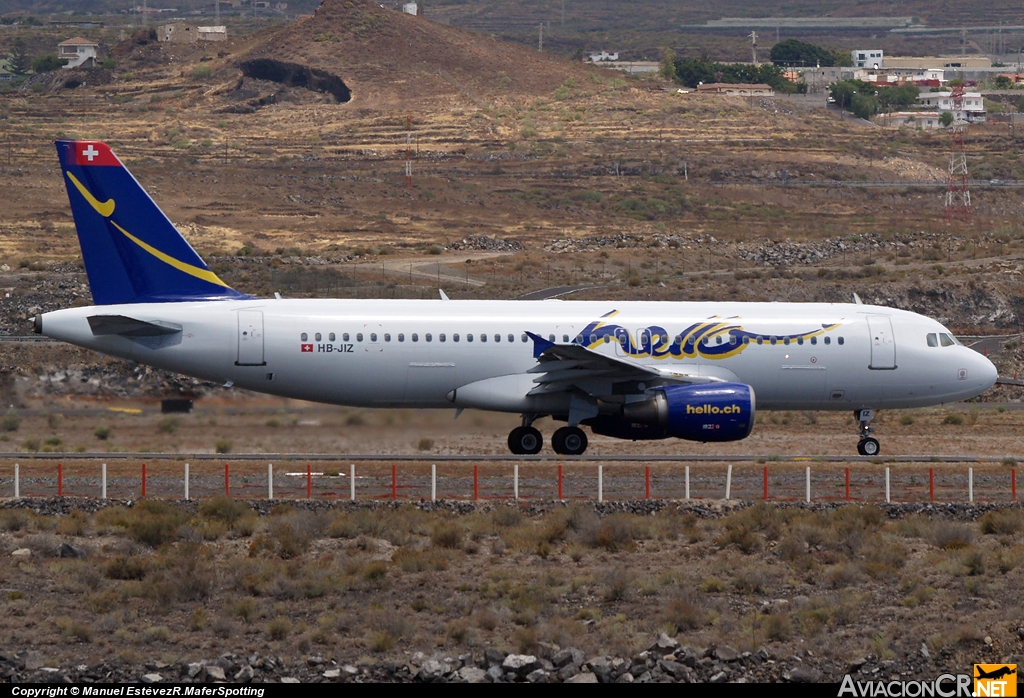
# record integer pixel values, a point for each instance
(250, 338)
(883, 344)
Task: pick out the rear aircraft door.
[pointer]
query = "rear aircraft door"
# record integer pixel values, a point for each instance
(250, 338)
(883, 344)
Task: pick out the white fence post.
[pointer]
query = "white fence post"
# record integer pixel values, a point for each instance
(600, 483)
(888, 500)
(515, 482)
(687, 482)
(808, 484)
(352, 482)
(103, 481)
(186, 482)
(433, 482)
(970, 484)
(728, 482)
(17, 481)
(270, 481)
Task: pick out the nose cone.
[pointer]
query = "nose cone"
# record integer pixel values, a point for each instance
(985, 373)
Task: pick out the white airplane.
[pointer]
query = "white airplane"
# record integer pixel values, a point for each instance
(631, 370)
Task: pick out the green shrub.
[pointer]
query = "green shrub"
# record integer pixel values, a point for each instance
(223, 446)
(102, 433)
(446, 534)
(223, 509)
(11, 421)
(202, 72)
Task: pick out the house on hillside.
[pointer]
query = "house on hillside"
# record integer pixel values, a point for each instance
(78, 52)
(604, 56)
(867, 58)
(974, 106)
(736, 89)
(5, 71)
(927, 120)
(177, 33)
(217, 33)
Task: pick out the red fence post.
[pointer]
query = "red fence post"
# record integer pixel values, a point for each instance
(143, 480)
(394, 482)
(227, 480)
(931, 483)
(847, 484)
(560, 482)
(476, 483)
(647, 482)
(1013, 483)
(60, 479)
(766, 483)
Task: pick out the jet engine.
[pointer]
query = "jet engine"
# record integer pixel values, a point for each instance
(707, 412)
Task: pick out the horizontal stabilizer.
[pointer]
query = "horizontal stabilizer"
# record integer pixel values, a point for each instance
(130, 327)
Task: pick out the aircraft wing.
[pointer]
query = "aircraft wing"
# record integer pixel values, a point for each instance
(571, 367)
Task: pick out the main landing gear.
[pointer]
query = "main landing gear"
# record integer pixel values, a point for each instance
(867, 446)
(526, 440)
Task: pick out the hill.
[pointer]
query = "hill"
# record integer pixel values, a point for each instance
(383, 55)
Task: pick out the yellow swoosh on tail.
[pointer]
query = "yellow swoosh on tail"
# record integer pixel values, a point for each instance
(204, 274)
(104, 209)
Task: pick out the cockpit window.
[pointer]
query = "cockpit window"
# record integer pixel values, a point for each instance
(945, 340)
(933, 340)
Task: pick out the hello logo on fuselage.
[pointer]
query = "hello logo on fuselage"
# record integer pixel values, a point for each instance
(714, 338)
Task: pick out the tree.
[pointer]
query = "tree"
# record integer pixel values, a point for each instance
(48, 63)
(19, 62)
(667, 64)
(1002, 82)
(793, 52)
(864, 106)
(946, 118)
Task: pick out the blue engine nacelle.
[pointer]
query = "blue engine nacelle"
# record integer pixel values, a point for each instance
(707, 412)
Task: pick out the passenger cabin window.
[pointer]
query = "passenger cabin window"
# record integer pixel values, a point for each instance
(483, 337)
(800, 340)
(331, 337)
(305, 337)
(373, 336)
(565, 338)
(415, 337)
(440, 337)
(428, 337)
(401, 337)
(469, 337)
(551, 337)
(455, 337)
(828, 340)
(814, 340)
(317, 336)
(497, 338)
(359, 337)
(524, 337)
(945, 340)
(344, 337)
(387, 336)
(933, 339)
(511, 338)
(841, 341)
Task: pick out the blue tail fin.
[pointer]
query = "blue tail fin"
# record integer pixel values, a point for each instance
(132, 252)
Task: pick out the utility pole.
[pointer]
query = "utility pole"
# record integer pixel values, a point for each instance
(540, 38)
(753, 46)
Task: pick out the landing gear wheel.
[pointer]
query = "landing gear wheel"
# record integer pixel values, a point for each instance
(569, 441)
(525, 441)
(868, 447)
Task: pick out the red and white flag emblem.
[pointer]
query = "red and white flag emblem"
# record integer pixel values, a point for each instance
(307, 347)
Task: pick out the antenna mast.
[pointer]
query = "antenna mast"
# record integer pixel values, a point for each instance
(753, 46)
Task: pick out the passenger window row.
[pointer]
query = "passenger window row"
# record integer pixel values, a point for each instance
(415, 337)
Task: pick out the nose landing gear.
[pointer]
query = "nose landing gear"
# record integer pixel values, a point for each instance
(867, 446)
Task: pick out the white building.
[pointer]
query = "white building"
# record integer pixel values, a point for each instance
(411, 8)
(867, 58)
(898, 74)
(974, 106)
(77, 51)
(604, 56)
(927, 120)
(214, 33)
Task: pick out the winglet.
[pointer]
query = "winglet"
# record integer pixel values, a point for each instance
(444, 296)
(540, 345)
(857, 300)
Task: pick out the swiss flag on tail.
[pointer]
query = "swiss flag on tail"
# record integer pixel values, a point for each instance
(94, 153)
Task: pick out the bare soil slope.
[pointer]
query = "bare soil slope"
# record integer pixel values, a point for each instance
(383, 55)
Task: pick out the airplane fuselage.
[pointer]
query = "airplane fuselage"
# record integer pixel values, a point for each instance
(389, 353)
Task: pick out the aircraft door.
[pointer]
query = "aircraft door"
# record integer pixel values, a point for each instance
(883, 344)
(250, 338)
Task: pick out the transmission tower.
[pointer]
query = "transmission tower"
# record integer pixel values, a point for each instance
(958, 195)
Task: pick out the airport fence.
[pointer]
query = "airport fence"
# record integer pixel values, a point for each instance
(518, 479)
